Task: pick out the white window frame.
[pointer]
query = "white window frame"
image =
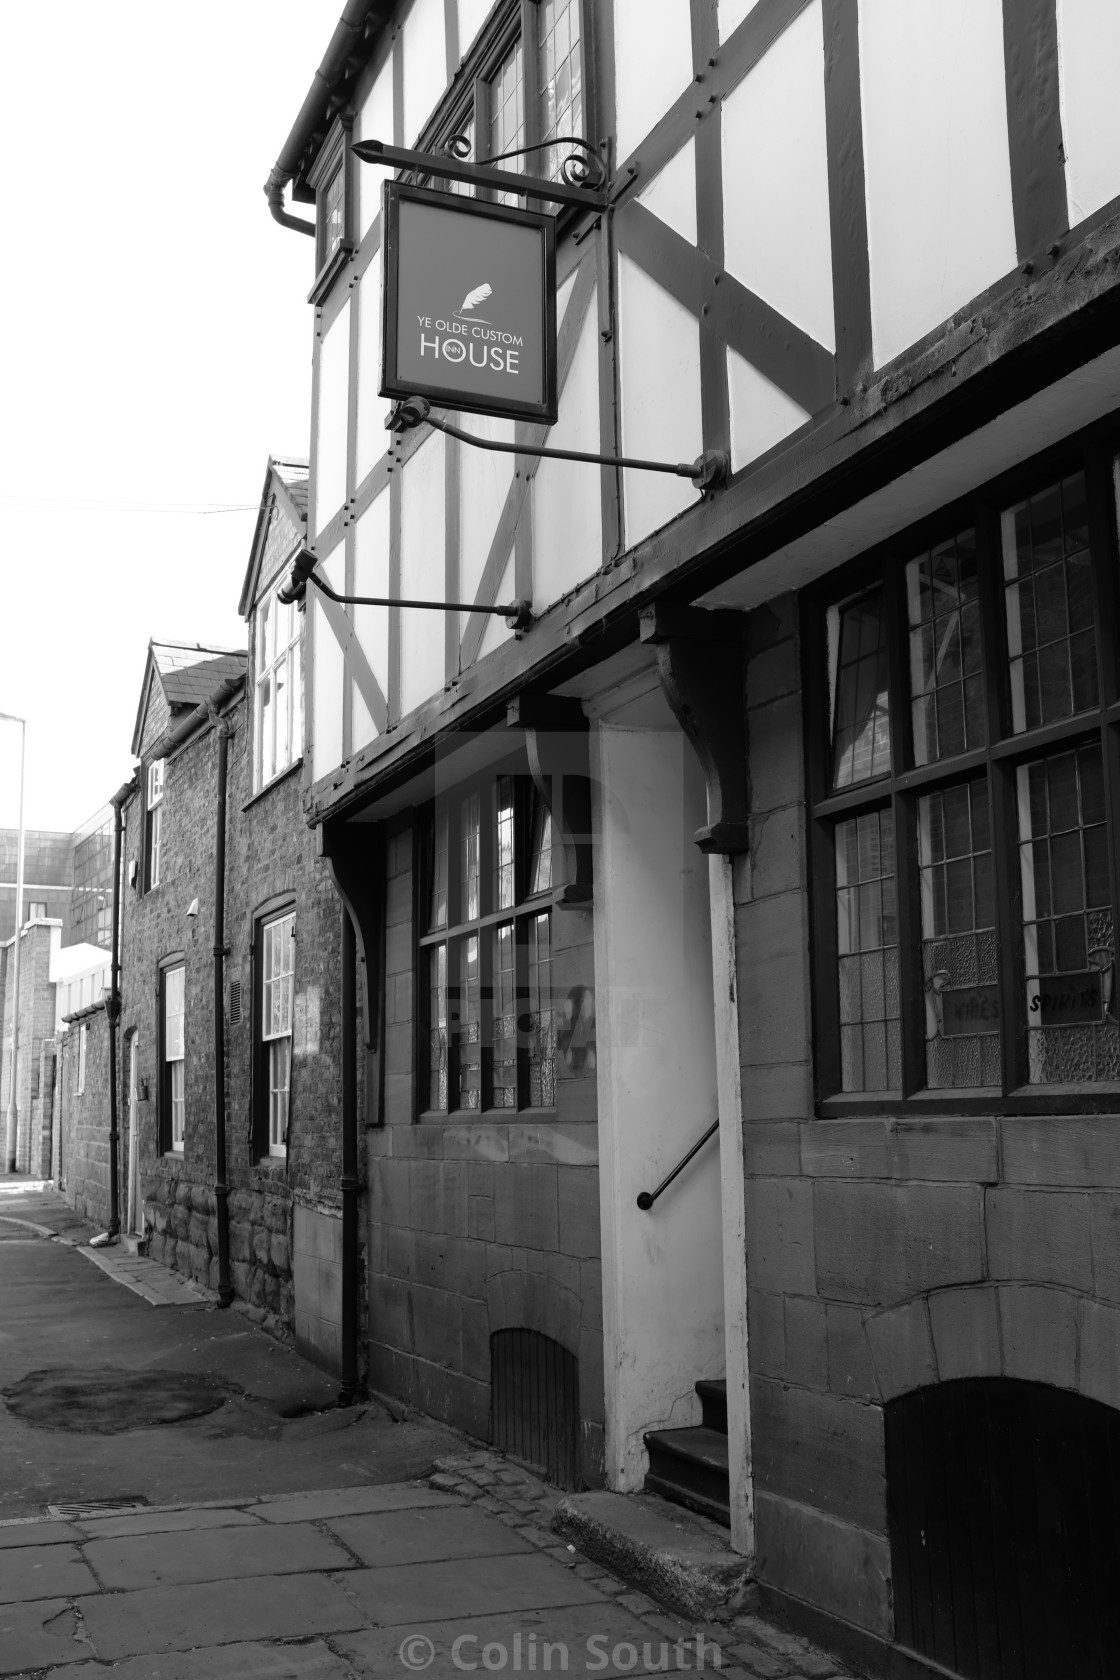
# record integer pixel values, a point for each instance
(278, 940)
(174, 1054)
(277, 742)
(154, 825)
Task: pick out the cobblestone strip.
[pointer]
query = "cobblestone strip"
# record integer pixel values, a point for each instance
(749, 1644)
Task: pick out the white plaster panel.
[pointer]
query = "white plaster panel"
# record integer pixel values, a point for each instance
(671, 195)
(423, 575)
(777, 235)
(653, 65)
(334, 388)
(730, 14)
(472, 16)
(373, 439)
(659, 372)
(938, 176)
(375, 122)
(425, 65)
(761, 414)
(329, 674)
(656, 1078)
(371, 624)
(1089, 71)
(567, 512)
(497, 630)
(484, 481)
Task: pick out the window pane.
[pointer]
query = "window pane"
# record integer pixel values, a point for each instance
(505, 1018)
(542, 1020)
(540, 846)
(178, 1104)
(437, 1027)
(468, 858)
(867, 943)
(861, 741)
(1068, 934)
(507, 113)
(332, 217)
(469, 1025)
(959, 945)
(946, 680)
(503, 849)
(437, 870)
(561, 77)
(174, 1010)
(1048, 587)
(279, 1086)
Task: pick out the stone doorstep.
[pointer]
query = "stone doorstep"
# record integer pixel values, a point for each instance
(680, 1559)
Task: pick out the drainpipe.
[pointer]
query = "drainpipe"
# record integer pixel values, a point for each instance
(349, 1184)
(114, 1010)
(221, 1188)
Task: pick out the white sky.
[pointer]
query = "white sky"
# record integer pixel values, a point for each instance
(156, 350)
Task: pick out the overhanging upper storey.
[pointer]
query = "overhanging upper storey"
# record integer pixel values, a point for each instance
(840, 236)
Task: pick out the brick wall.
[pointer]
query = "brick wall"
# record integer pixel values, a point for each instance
(84, 1118)
(270, 851)
(883, 1254)
(483, 1225)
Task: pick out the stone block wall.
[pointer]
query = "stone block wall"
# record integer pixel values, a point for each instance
(270, 853)
(84, 1118)
(484, 1224)
(886, 1253)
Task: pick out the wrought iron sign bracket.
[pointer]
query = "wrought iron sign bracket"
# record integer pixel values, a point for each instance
(584, 173)
(517, 614)
(708, 472)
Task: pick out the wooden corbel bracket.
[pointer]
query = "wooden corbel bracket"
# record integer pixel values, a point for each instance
(557, 744)
(701, 666)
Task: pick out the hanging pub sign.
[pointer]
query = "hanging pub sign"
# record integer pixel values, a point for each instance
(468, 304)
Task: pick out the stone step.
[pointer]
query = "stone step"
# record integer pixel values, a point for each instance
(689, 1466)
(681, 1559)
(133, 1244)
(713, 1399)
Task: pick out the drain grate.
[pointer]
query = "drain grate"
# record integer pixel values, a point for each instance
(98, 1508)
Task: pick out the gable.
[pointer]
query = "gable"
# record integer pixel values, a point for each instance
(280, 529)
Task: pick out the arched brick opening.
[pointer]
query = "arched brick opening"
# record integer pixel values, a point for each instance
(1003, 1501)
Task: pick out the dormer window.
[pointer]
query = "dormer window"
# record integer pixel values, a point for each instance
(329, 180)
(330, 218)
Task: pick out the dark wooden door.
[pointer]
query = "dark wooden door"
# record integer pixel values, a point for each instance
(1003, 1502)
(535, 1402)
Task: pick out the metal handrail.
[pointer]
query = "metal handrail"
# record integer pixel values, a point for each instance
(646, 1198)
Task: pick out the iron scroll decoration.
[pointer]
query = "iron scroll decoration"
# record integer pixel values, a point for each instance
(581, 168)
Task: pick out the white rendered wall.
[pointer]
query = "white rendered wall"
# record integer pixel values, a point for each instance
(663, 1269)
(659, 373)
(371, 624)
(329, 674)
(775, 170)
(484, 481)
(761, 414)
(567, 512)
(375, 122)
(423, 545)
(653, 65)
(939, 216)
(334, 384)
(472, 16)
(425, 65)
(671, 195)
(373, 439)
(1089, 60)
(731, 14)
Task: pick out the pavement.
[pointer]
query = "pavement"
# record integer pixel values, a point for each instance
(181, 1498)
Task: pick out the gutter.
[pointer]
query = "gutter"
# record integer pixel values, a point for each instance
(174, 737)
(353, 29)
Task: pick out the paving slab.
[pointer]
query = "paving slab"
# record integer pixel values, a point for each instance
(37, 1634)
(252, 1660)
(148, 1279)
(158, 1619)
(574, 1641)
(36, 1534)
(481, 1586)
(129, 1562)
(399, 1537)
(43, 1572)
(341, 1502)
(166, 1522)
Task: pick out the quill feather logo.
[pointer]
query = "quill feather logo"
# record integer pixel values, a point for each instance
(472, 299)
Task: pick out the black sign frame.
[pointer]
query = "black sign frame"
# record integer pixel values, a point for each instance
(394, 193)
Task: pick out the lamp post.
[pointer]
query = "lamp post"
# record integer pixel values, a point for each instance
(13, 1104)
